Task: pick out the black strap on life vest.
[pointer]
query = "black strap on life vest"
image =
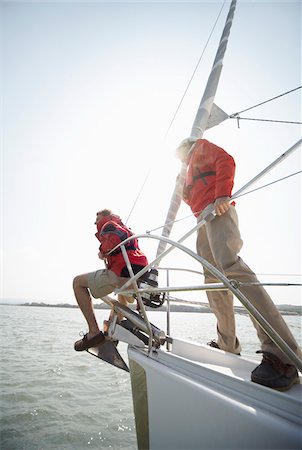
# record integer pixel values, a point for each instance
(203, 176)
(122, 235)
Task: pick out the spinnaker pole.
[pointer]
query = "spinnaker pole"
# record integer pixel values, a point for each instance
(200, 123)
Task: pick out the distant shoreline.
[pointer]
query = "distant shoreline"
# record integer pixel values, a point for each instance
(286, 310)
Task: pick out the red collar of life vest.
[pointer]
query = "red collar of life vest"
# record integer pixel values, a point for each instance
(105, 219)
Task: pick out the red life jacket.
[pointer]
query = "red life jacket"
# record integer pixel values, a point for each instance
(210, 175)
(111, 232)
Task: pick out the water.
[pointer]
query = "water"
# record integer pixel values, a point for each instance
(55, 398)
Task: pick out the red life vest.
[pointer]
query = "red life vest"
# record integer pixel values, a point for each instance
(210, 175)
(111, 232)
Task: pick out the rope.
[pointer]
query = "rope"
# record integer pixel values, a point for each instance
(266, 101)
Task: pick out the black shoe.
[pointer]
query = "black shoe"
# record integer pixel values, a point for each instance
(214, 344)
(273, 373)
(85, 343)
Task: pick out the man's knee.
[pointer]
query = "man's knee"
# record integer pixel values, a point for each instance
(75, 283)
(80, 281)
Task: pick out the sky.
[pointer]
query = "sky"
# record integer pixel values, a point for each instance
(88, 90)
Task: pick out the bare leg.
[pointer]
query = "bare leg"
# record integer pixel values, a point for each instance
(82, 295)
(121, 299)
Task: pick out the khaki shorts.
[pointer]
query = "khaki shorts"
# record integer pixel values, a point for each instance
(103, 282)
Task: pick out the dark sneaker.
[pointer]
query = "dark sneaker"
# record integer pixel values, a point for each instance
(214, 344)
(85, 343)
(273, 373)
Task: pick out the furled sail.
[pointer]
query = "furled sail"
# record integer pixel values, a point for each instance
(201, 123)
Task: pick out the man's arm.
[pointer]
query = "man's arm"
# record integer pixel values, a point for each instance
(225, 172)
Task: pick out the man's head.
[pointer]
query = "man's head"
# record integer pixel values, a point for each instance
(101, 214)
(104, 216)
(184, 148)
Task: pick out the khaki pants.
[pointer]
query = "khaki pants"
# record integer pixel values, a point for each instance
(103, 282)
(219, 242)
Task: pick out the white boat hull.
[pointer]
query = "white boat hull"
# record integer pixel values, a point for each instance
(196, 397)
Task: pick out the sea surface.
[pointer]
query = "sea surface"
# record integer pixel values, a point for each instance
(55, 398)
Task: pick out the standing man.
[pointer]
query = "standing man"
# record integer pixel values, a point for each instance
(110, 232)
(209, 183)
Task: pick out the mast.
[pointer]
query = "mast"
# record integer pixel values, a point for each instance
(200, 123)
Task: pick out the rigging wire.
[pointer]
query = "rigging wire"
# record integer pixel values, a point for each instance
(281, 274)
(172, 221)
(241, 195)
(194, 71)
(269, 184)
(264, 120)
(232, 116)
(238, 118)
(138, 195)
(178, 107)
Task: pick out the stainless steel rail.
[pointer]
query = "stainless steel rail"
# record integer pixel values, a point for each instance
(229, 284)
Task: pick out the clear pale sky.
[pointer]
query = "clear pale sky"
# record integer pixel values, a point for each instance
(88, 92)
